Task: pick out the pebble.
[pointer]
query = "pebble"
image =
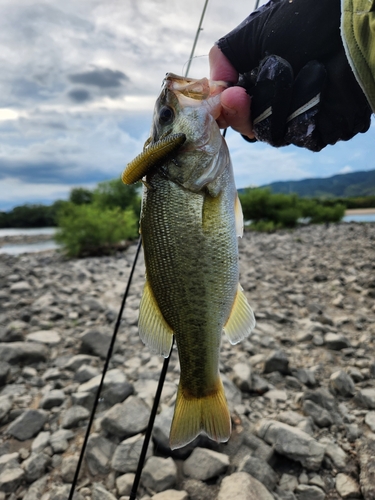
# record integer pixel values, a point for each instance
(242, 486)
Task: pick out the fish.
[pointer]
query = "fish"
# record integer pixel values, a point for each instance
(190, 219)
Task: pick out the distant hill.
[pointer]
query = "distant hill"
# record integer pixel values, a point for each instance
(342, 185)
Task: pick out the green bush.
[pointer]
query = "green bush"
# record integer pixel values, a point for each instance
(269, 212)
(93, 230)
(327, 214)
(115, 193)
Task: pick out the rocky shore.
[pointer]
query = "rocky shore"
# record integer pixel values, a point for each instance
(301, 389)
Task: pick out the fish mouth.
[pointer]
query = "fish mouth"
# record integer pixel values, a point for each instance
(191, 92)
(153, 155)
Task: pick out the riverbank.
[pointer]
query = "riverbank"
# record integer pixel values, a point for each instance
(360, 211)
(306, 376)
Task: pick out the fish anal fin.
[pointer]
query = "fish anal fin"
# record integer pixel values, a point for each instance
(238, 214)
(241, 320)
(153, 329)
(192, 416)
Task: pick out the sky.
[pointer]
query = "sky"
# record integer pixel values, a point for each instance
(79, 80)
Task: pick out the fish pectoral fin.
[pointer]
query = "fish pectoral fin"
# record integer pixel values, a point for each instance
(192, 416)
(241, 320)
(238, 214)
(153, 329)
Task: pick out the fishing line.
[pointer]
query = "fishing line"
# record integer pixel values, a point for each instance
(105, 369)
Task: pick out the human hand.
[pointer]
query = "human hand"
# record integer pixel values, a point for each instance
(291, 60)
(234, 100)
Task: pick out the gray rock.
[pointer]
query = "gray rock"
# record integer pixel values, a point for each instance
(126, 456)
(242, 376)
(99, 454)
(28, 424)
(369, 420)
(85, 373)
(337, 455)
(277, 361)
(307, 492)
(205, 464)
(20, 287)
(53, 398)
(59, 440)
(48, 337)
(79, 360)
(336, 342)
(324, 399)
(73, 416)
(321, 417)
(40, 442)
(127, 418)
(232, 392)
(9, 461)
(35, 490)
(35, 466)
(288, 482)
(62, 493)
(5, 406)
(241, 486)
(171, 495)
(366, 398)
(85, 399)
(23, 352)
(10, 479)
(366, 454)
(159, 474)
(342, 383)
(99, 492)
(96, 341)
(124, 484)
(305, 376)
(4, 372)
(258, 447)
(68, 468)
(260, 470)
(115, 387)
(347, 487)
(292, 443)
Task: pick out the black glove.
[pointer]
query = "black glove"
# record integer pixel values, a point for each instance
(292, 61)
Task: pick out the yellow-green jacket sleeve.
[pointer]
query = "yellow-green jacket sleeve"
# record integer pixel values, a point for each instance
(358, 33)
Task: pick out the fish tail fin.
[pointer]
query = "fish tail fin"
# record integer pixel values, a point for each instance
(209, 415)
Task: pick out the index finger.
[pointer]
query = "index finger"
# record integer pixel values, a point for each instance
(220, 67)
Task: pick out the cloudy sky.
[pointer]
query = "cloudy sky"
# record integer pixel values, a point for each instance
(79, 80)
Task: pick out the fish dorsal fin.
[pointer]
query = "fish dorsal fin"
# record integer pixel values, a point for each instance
(241, 320)
(238, 216)
(153, 329)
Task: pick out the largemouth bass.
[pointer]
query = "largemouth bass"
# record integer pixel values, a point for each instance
(190, 219)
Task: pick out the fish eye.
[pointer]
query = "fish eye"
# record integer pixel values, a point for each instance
(166, 115)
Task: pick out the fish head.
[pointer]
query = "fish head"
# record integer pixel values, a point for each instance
(190, 107)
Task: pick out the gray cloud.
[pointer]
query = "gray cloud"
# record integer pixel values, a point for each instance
(102, 78)
(79, 95)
